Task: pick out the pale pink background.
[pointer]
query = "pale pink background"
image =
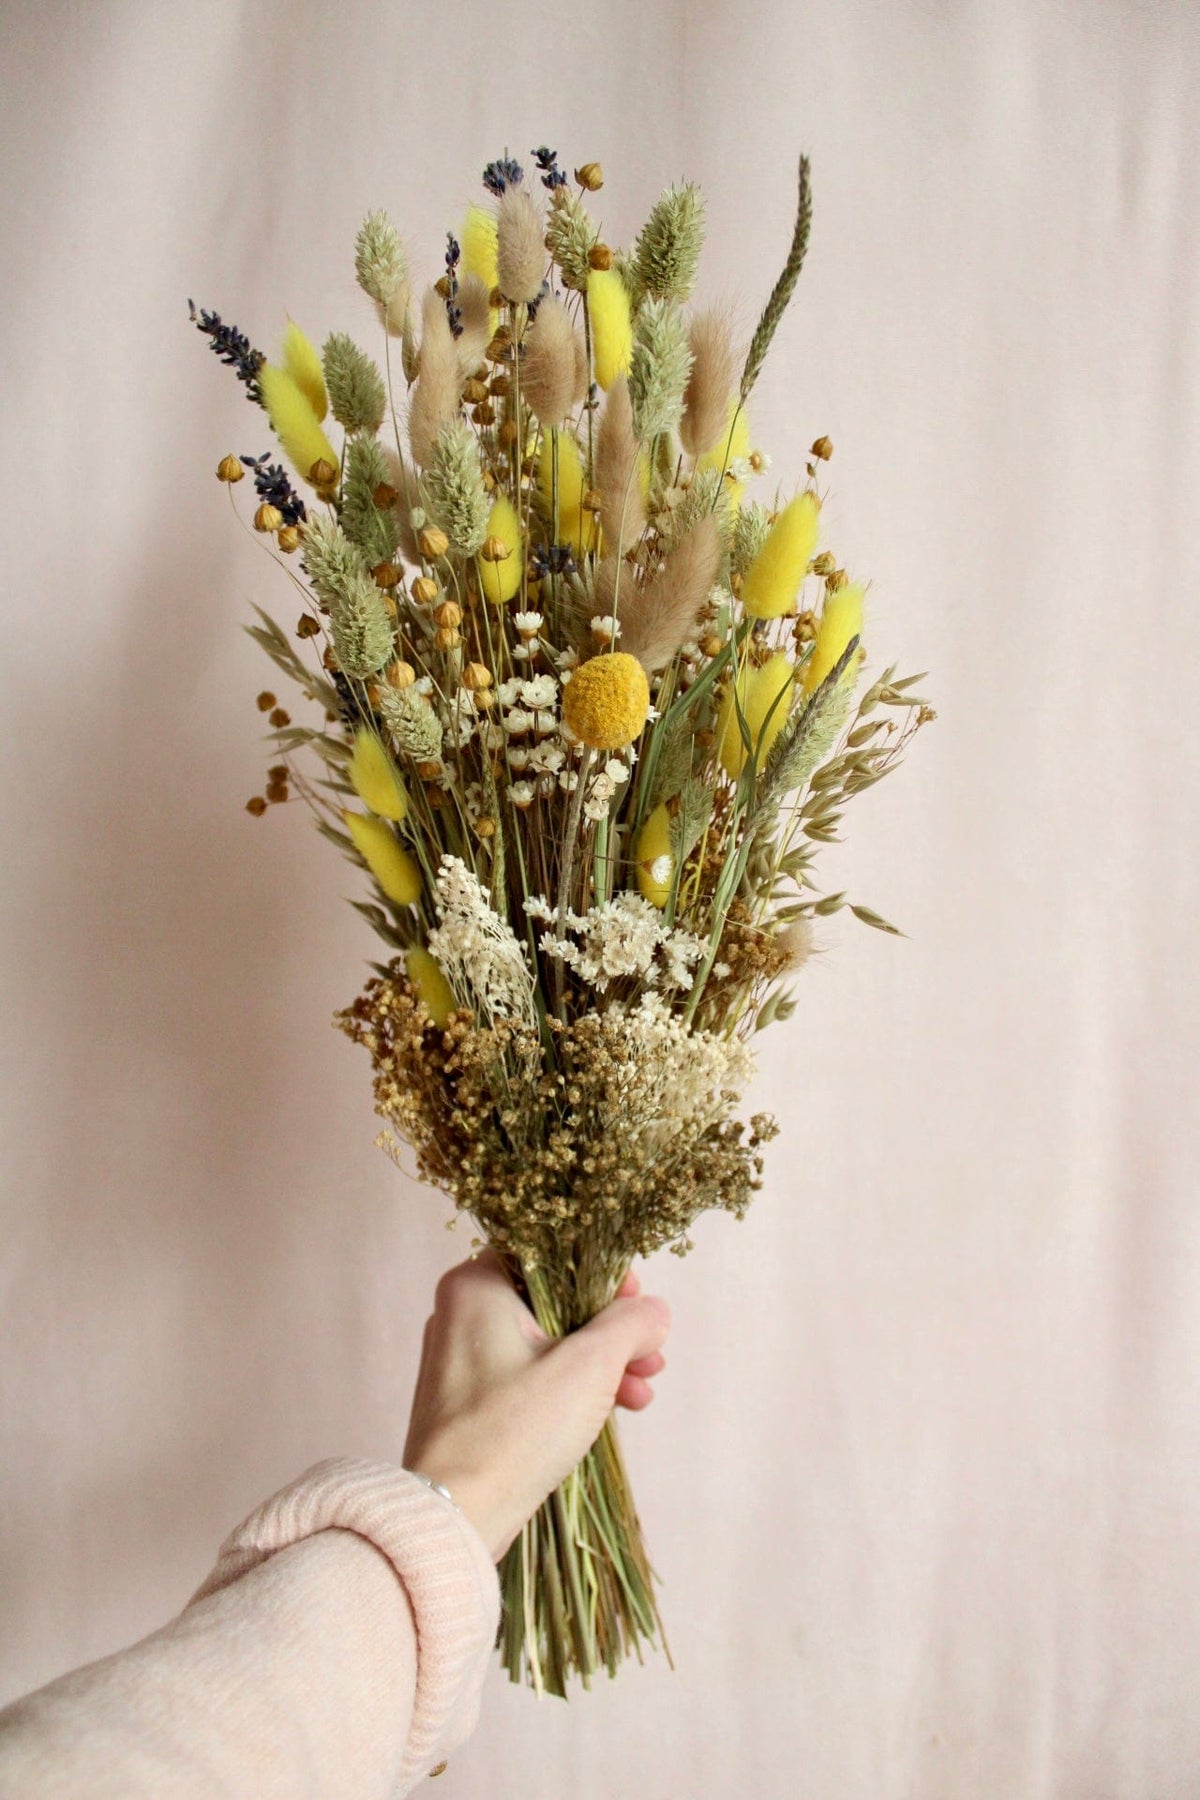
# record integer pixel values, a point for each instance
(921, 1479)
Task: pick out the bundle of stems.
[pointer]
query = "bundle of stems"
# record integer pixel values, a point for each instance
(588, 714)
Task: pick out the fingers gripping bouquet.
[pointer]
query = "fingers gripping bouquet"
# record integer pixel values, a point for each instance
(589, 710)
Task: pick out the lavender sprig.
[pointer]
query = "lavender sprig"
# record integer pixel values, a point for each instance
(547, 161)
(501, 175)
(232, 346)
(271, 483)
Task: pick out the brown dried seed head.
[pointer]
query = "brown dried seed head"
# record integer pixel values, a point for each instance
(257, 806)
(495, 550)
(824, 564)
(590, 176)
(265, 701)
(474, 391)
(447, 637)
(600, 257)
(476, 677)
(442, 286)
(425, 590)
(288, 539)
(322, 474)
(448, 613)
(329, 659)
(485, 827)
(268, 517)
(711, 644)
(500, 386)
(823, 448)
(433, 542)
(805, 628)
(384, 496)
(835, 581)
(485, 413)
(508, 432)
(386, 574)
(229, 469)
(500, 345)
(429, 771)
(497, 298)
(277, 792)
(307, 626)
(400, 675)
(279, 718)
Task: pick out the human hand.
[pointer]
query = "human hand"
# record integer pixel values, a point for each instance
(501, 1413)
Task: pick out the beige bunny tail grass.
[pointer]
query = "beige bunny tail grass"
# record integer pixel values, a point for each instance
(438, 387)
(714, 371)
(658, 618)
(548, 374)
(475, 311)
(622, 511)
(520, 246)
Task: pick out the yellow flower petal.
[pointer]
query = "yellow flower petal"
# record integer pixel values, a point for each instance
(841, 620)
(773, 578)
(303, 364)
(392, 866)
(654, 857)
(293, 421)
(500, 580)
(766, 696)
(374, 778)
(612, 325)
(425, 973)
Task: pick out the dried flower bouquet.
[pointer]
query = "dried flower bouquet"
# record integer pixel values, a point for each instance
(586, 711)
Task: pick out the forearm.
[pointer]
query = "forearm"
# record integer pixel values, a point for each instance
(317, 1659)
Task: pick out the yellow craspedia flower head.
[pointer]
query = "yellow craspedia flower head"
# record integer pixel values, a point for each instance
(303, 364)
(293, 421)
(425, 973)
(612, 326)
(374, 779)
(480, 254)
(773, 579)
(392, 866)
(606, 700)
(654, 857)
(765, 697)
(841, 620)
(500, 580)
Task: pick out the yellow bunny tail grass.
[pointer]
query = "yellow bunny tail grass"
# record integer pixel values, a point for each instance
(303, 364)
(765, 700)
(612, 325)
(294, 422)
(841, 620)
(425, 973)
(480, 247)
(374, 779)
(577, 526)
(392, 866)
(773, 579)
(500, 580)
(655, 858)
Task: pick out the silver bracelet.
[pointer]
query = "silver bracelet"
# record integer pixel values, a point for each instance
(437, 1488)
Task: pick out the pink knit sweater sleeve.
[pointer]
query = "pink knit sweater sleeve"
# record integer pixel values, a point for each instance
(338, 1647)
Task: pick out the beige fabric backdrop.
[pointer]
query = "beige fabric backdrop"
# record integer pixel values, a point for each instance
(921, 1477)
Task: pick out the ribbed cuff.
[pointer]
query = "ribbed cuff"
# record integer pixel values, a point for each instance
(439, 1557)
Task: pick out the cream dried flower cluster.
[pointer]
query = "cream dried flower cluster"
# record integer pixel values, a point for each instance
(588, 707)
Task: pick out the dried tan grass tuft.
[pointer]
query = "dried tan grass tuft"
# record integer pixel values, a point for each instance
(658, 618)
(714, 371)
(520, 246)
(622, 510)
(474, 304)
(549, 371)
(436, 395)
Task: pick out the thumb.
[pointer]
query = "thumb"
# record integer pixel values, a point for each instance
(600, 1350)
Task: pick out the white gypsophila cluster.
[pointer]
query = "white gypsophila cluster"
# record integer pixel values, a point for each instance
(479, 955)
(667, 1079)
(603, 786)
(624, 938)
